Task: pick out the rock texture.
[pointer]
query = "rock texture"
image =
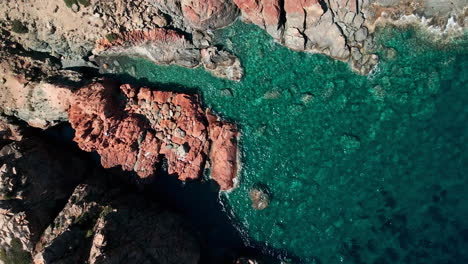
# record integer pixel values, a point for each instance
(312, 25)
(71, 31)
(140, 127)
(162, 46)
(223, 152)
(10, 130)
(40, 104)
(34, 181)
(209, 14)
(342, 29)
(442, 16)
(339, 28)
(260, 197)
(102, 226)
(142, 28)
(166, 47)
(136, 131)
(100, 223)
(28, 89)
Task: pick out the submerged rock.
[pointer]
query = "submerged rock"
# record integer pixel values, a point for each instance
(246, 261)
(222, 64)
(141, 127)
(260, 197)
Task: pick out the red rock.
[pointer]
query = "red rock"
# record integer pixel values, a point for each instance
(101, 126)
(223, 152)
(137, 130)
(213, 14)
(260, 12)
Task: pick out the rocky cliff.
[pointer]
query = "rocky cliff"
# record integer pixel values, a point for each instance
(132, 127)
(56, 206)
(180, 32)
(137, 128)
(342, 29)
(48, 216)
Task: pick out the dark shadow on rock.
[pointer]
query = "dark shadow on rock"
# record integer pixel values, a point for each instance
(222, 238)
(172, 87)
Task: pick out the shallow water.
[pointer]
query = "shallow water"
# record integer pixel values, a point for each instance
(362, 169)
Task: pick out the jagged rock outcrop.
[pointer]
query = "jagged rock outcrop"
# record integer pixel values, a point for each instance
(139, 128)
(70, 29)
(35, 180)
(27, 87)
(99, 225)
(166, 47)
(440, 16)
(222, 63)
(341, 29)
(161, 46)
(223, 151)
(101, 222)
(312, 25)
(40, 104)
(209, 14)
(9, 130)
(139, 28)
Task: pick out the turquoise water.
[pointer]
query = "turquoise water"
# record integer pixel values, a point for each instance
(362, 169)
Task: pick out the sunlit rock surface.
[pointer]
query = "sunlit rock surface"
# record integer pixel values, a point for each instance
(137, 127)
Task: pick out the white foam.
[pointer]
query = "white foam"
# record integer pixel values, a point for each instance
(451, 26)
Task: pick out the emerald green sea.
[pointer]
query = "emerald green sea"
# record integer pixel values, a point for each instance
(361, 169)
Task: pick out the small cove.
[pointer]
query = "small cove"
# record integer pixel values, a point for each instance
(362, 169)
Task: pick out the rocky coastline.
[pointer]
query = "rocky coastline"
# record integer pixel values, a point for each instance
(180, 32)
(58, 207)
